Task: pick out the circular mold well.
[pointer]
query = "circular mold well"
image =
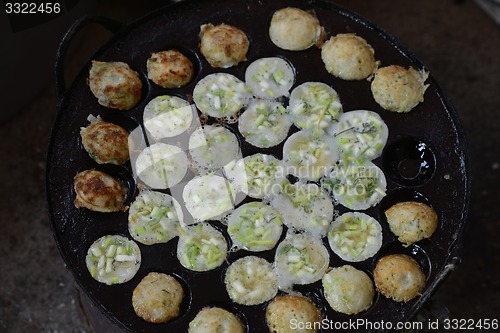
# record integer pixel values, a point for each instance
(409, 162)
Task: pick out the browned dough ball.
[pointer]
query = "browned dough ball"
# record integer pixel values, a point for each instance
(287, 311)
(105, 142)
(98, 191)
(215, 320)
(114, 84)
(223, 45)
(170, 69)
(412, 221)
(398, 89)
(348, 57)
(157, 298)
(295, 29)
(399, 277)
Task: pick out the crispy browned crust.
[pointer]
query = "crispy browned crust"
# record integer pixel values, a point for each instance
(223, 45)
(106, 142)
(170, 69)
(98, 191)
(215, 320)
(339, 52)
(398, 89)
(284, 308)
(295, 29)
(399, 277)
(157, 298)
(122, 96)
(412, 221)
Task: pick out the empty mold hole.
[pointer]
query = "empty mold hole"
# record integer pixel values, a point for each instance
(409, 162)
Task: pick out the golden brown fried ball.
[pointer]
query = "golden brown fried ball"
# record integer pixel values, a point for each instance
(105, 142)
(114, 84)
(348, 57)
(215, 320)
(285, 311)
(295, 30)
(223, 45)
(157, 298)
(99, 192)
(348, 290)
(399, 277)
(412, 221)
(170, 69)
(398, 89)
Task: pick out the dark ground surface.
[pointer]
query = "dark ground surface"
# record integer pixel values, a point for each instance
(455, 39)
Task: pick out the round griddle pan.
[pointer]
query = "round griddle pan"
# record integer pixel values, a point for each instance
(425, 158)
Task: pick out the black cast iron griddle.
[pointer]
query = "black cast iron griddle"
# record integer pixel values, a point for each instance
(425, 158)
